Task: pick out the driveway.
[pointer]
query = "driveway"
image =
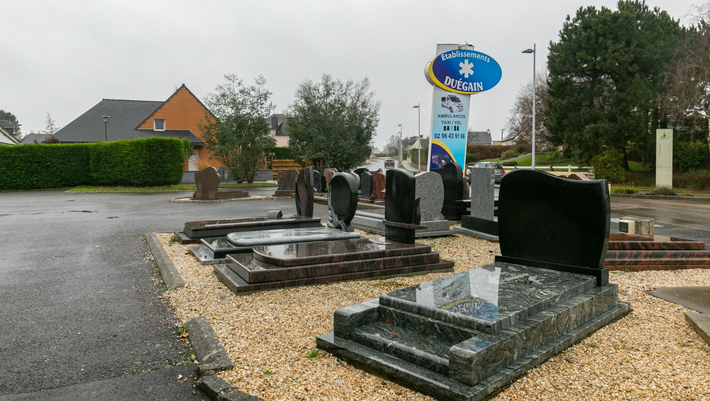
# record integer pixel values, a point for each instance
(81, 313)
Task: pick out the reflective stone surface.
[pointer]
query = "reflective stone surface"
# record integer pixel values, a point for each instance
(489, 298)
(272, 237)
(215, 228)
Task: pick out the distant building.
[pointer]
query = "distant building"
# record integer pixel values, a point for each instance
(34, 138)
(176, 117)
(479, 137)
(7, 136)
(279, 130)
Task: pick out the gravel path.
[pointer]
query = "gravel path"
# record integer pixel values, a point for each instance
(650, 354)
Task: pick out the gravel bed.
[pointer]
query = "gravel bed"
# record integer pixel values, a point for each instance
(650, 354)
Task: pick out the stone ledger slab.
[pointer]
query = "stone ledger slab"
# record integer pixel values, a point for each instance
(195, 230)
(275, 237)
(464, 336)
(289, 265)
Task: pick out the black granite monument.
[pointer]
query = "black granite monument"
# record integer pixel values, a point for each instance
(467, 335)
(454, 204)
(342, 201)
(305, 190)
(402, 213)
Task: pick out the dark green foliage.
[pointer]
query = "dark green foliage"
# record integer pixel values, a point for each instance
(331, 123)
(415, 155)
(690, 156)
(138, 162)
(239, 137)
(43, 166)
(7, 116)
(509, 154)
(487, 151)
(510, 163)
(609, 165)
(472, 158)
(606, 74)
(282, 153)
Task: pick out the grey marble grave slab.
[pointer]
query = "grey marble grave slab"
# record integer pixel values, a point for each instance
(274, 237)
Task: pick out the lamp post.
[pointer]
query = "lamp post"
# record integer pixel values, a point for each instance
(400, 145)
(105, 117)
(534, 53)
(419, 134)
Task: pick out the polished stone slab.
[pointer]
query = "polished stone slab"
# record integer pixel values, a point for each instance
(275, 237)
(334, 251)
(195, 230)
(700, 323)
(489, 298)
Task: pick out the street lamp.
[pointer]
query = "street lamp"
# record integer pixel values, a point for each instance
(400, 145)
(419, 134)
(105, 117)
(534, 53)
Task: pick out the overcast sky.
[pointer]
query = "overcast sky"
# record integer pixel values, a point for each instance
(63, 57)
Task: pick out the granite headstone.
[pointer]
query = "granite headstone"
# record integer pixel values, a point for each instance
(452, 177)
(207, 185)
(366, 185)
(305, 193)
(402, 212)
(287, 183)
(342, 201)
(379, 183)
(328, 174)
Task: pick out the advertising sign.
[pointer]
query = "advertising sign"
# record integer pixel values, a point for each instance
(664, 158)
(456, 72)
(448, 129)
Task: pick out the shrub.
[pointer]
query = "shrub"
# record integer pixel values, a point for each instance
(138, 162)
(508, 154)
(662, 191)
(609, 165)
(472, 158)
(693, 180)
(510, 163)
(415, 155)
(624, 190)
(282, 153)
(690, 156)
(487, 151)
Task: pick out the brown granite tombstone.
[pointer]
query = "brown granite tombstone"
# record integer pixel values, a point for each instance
(207, 183)
(328, 174)
(287, 183)
(305, 192)
(379, 183)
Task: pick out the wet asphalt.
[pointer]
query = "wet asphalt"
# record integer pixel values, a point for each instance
(80, 302)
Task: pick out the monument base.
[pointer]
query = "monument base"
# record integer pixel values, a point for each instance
(466, 336)
(373, 222)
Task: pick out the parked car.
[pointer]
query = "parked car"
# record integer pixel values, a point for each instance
(389, 163)
(498, 171)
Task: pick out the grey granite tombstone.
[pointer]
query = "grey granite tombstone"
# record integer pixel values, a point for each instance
(430, 192)
(305, 192)
(287, 183)
(357, 179)
(366, 185)
(482, 221)
(342, 201)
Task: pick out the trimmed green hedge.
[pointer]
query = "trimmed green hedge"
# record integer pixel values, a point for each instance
(137, 162)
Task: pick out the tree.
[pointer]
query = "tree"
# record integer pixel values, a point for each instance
(688, 99)
(50, 128)
(606, 74)
(520, 120)
(239, 133)
(331, 123)
(7, 116)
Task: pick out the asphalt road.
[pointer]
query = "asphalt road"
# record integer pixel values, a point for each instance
(668, 210)
(81, 313)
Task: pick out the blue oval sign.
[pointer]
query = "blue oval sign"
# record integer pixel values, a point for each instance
(464, 71)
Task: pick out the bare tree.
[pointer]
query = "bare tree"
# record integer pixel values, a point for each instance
(520, 119)
(50, 128)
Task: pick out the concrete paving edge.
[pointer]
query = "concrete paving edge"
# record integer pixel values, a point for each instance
(671, 198)
(170, 275)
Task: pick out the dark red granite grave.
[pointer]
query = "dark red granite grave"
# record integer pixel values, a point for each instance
(627, 252)
(196, 230)
(293, 265)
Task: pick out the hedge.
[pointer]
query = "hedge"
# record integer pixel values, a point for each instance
(488, 151)
(137, 162)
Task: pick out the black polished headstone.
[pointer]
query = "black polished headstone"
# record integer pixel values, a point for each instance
(316, 180)
(402, 212)
(366, 185)
(553, 222)
(305, 193)
(342, 201)
(452, 176)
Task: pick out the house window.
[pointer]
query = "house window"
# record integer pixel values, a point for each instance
(158, 125)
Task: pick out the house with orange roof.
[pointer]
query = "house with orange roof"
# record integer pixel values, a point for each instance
(119, 119)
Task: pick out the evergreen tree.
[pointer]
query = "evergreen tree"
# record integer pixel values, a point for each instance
(606, 76)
